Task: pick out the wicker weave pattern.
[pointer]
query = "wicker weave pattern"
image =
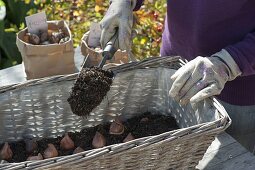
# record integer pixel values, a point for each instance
(38, 108)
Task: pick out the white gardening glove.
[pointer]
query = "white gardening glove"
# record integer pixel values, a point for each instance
(119, 17)
(203, 77)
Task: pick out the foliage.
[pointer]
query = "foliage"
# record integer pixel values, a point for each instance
(13, 22)
(150, 28)
(80, 13)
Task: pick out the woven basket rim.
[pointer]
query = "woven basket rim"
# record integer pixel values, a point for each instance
(215, 126)
(121, 68)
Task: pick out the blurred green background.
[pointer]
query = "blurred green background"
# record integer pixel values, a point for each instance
(79, 14)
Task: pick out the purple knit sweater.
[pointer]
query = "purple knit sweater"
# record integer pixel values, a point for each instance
(203, 27)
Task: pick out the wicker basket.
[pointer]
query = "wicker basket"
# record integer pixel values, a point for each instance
(38, 108)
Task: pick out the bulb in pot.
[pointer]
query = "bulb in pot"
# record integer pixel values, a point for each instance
(116, 128)
(50, 152)
(31, 145)
(78, 150)
(35, 158)
(67, 143)
(129, 137)
(6, 152)
(99, 140)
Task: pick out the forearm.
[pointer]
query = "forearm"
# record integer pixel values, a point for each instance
(243, 53)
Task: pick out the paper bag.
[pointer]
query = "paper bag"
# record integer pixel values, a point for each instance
(95, 54)
(47, 60)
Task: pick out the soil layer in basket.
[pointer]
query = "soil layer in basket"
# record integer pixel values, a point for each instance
(146, 124)
(88, 91)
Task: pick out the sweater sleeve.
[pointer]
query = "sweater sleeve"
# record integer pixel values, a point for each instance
(139, 3)
(243, 53)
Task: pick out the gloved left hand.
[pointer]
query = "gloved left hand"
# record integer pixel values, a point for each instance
(203, 77)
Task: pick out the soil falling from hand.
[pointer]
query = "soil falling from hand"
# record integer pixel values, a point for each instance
(90, 88)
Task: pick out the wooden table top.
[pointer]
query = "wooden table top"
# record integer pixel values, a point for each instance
(225, 153)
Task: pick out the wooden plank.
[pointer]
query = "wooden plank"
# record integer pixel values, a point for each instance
(244, 161)
(221, 155)
(223, 150)
(12, 75)
(220, 141)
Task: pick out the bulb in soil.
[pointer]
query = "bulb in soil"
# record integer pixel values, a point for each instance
(50, 152)
(67, 143)
(145, 119)
(31, 145)
(99, 140)
(33, 39)
(6, 152)
(78, 150)
(35, 158)
(116, 128)
(129, 138)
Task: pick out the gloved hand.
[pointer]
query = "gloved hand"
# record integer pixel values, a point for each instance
(119, 17)
(203, 77)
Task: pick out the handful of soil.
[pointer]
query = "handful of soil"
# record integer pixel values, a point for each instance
(88, 91)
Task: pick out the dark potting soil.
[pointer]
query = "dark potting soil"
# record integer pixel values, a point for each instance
(139, 126)
(89, 90)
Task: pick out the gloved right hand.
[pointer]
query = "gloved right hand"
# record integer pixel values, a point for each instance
(119, 17)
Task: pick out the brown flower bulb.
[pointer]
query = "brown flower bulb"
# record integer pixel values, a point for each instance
(6, 152)
(67, 143)
(129, 138)
(31, 145)
(33, 39)
(78, 150)
(50, 32)
(50, 152)
(56, 37)
(43, 36)
(26, 38)
(116, 128)
(99, 140)
(34, 158)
